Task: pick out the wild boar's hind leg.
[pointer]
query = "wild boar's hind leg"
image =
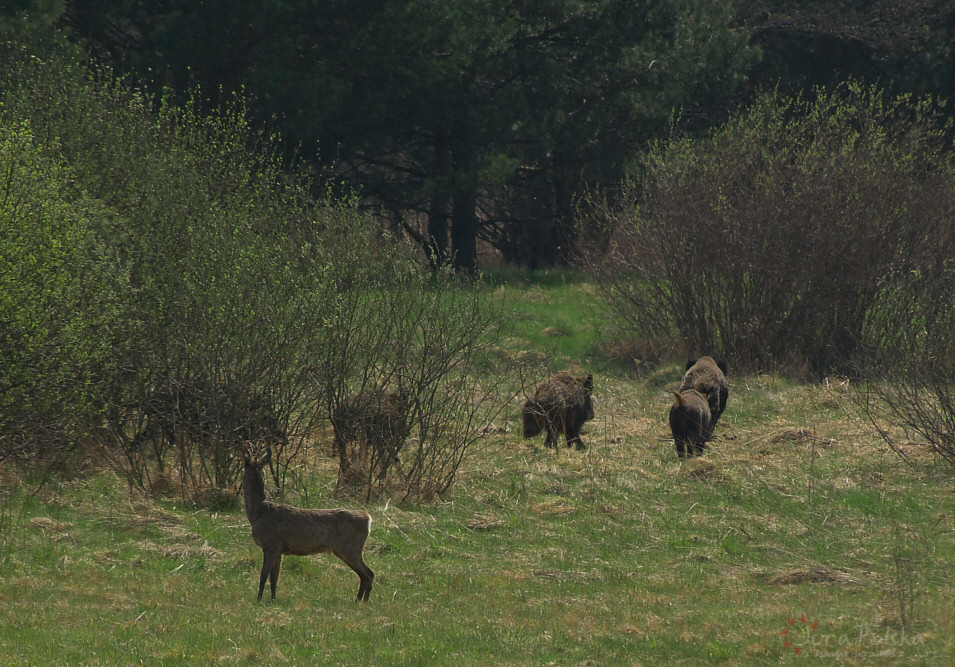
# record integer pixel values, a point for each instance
(551, 439)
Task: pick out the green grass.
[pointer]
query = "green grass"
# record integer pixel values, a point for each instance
(620, 554)
(555, 319)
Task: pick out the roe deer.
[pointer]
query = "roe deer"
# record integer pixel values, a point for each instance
(281, 529)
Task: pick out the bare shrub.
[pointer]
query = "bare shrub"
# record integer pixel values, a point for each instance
(201, 427)
(769, 239)
(370, 429)
(398, 381)
(910, 343)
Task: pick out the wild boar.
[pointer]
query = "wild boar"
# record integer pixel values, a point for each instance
(691, 422)
(708, 377)
(560, 404)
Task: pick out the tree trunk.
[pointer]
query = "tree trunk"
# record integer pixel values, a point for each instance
(464, 225)
(438, 211)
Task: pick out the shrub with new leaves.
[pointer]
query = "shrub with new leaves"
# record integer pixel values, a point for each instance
(59, 296)
(186, 293)
(769, 239)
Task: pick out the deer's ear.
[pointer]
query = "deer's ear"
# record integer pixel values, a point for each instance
(265, 458)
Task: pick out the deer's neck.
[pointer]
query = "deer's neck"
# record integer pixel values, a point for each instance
(253, 484)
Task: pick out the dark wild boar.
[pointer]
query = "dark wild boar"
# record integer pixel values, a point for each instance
(560, 404)
(708, 377)
(690, 422)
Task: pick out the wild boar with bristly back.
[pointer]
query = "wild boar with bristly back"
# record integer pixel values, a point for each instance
(560, 404)
(708, 377)
(691, 422)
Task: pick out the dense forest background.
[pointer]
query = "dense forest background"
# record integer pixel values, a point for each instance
(470, 126)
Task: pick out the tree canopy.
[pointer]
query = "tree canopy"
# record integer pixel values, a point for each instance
(460, 121)
(465, 123)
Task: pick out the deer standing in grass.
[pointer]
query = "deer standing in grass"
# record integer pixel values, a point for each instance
(281, 529)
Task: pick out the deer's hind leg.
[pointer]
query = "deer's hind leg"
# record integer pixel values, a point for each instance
(367, 577)
(364, 588)
(274, 574)
(271, 561)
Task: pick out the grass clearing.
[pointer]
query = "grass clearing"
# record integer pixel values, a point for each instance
(620, 554)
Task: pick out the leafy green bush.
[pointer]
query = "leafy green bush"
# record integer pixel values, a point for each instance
(768, 240)
(240, 308)
(195, 217)
(59, 297)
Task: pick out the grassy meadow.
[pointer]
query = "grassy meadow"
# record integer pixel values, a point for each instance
(798, 536)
